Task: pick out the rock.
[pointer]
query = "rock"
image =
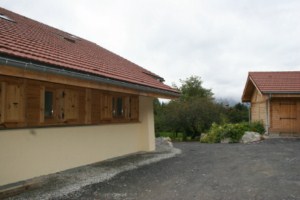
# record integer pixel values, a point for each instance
(250, 137)
(225, 141)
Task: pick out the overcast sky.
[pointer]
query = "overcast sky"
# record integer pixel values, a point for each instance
(218, 40)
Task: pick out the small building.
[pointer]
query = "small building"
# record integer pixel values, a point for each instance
(67, 102)
(275, 100)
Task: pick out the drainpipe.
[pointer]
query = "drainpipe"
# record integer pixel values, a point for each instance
(268, 113)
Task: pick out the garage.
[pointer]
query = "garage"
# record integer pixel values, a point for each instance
(274, 99)
(285, 115)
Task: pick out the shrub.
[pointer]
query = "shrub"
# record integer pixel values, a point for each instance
(257, 126)
(215, 135)
(232, 131)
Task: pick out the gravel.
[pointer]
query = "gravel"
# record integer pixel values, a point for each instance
(266, 170)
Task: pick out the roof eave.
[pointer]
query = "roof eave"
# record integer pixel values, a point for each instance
(45, 68)
(247, 85)
(281, 92)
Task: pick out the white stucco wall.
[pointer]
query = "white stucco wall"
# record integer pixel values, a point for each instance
(28, 153)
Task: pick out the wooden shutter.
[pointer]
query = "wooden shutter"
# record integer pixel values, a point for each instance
(95, 107)
(14, 102)
(131, 111)
(106, 106)
(34, 104)
(134, 108)
(71, 104)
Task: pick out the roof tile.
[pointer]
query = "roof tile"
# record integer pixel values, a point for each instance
(29, 39)
(276, 82)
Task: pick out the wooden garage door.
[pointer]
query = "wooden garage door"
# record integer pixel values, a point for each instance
(284, 116)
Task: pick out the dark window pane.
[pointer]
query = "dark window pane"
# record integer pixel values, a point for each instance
(119, 107)
(48, 104)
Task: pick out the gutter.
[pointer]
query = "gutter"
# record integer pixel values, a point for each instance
(58, 71)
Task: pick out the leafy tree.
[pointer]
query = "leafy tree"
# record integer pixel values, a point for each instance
(192, 87)
(159, 116)
(195, 111)
(197, 115)
(192, 113)
(238, 113)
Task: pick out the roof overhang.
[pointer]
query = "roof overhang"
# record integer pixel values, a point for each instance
(251, 86)
(41, 68)
(248, 90)
(281, 92)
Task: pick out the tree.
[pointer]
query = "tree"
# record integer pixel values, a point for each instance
(159, 116)
(192, 113)
(195, 111)
(192, 87)
(238, 113)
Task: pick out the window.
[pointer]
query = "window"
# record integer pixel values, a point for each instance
(118, 108)
(48, 112)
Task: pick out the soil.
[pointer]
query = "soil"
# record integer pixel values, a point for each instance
(269, 169)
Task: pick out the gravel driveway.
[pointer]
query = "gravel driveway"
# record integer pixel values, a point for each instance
(266, 170)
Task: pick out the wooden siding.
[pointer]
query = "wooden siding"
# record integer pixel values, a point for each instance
(258, 107)
(281, 116)
(285, 115)
(22, 104)
(64, 80)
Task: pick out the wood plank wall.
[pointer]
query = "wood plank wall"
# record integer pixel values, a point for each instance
(285, 115)
(258, 107)
(22, 104)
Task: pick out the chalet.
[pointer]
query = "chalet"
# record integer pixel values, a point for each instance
(67, 102)
(275, 100)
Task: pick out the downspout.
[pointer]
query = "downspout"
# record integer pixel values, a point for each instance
(268, 113)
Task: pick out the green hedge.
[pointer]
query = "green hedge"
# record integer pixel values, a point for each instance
(232, 131)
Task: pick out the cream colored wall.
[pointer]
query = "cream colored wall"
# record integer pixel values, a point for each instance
(147, 116)
(28, 153)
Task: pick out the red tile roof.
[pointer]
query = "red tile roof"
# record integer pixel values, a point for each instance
(276, 82)
(287, 82)
(29, 39)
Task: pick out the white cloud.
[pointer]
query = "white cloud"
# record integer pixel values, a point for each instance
(219, 40)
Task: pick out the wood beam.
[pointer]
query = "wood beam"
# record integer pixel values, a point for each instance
(54, 78)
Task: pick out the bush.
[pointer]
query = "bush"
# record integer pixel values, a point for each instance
(232, 131)
(257, 126)
(215, 134)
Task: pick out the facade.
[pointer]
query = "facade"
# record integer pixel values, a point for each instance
(67, 102)
(275, 100)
